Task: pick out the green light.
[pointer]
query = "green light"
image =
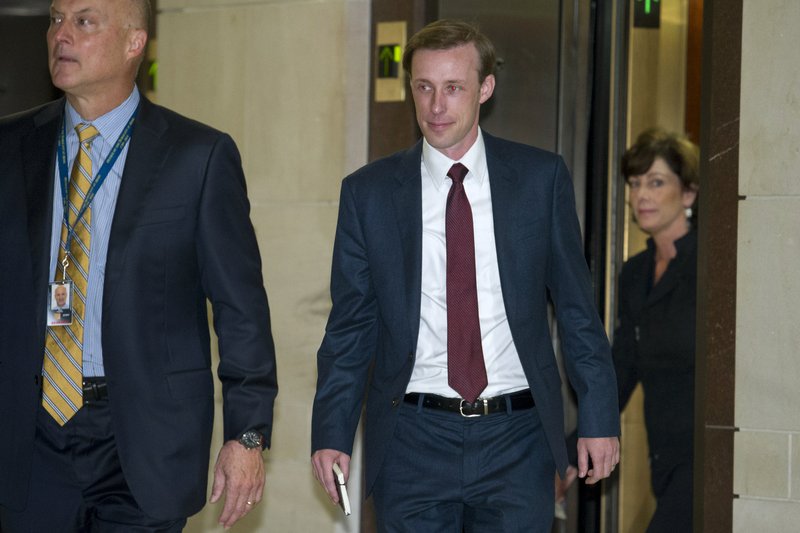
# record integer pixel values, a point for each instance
(386, 57)
(153, 73)
(648, 7)
(389, 58)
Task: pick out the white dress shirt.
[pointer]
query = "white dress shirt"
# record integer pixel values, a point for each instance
(503, 367)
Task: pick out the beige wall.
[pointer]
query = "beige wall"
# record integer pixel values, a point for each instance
(288, 80)
(767, 447)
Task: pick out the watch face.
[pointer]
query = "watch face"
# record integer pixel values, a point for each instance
(251, 439)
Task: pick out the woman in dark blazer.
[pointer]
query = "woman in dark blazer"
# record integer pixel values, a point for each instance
(655, 335)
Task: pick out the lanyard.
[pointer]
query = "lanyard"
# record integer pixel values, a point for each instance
(123, 139)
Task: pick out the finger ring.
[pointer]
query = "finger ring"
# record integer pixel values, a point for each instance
(249, 503)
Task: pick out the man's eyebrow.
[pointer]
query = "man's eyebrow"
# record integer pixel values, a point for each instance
(446, 82)
(83, 11)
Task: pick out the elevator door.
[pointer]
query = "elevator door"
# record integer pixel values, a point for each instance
(524, 107)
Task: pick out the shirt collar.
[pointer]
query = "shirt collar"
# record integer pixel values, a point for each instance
(109, 125)
(683, 243)
(437, 164)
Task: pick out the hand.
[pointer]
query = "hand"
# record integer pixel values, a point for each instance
(239, 474)
(322, 461)
(604, 453)
(562, 485)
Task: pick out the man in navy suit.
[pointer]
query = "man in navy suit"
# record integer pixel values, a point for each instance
(439, 459)
(125, 447)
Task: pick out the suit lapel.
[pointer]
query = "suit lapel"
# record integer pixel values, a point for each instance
(146, 155)
(407, 200)
(664, 286)
(38, 156)
(504, 185)
(672, 277)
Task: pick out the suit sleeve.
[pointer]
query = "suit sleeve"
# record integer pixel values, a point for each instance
(230, 266)
(349, 344)
(587, 354)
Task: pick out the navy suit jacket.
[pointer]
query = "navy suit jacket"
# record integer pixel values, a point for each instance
(376, 290)
(181, 235)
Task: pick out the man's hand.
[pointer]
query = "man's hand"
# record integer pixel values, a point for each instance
(239, 474)
(604, 453)
(563, 485)
(322, 461)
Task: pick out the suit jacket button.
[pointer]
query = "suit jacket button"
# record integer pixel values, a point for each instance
(395, 402)
(411, 356)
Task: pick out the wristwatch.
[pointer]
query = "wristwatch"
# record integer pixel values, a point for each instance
(252, 439)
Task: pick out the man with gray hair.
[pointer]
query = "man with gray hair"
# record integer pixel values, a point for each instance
(143, 214)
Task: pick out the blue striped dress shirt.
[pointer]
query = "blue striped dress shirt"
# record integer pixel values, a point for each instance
(110, 127)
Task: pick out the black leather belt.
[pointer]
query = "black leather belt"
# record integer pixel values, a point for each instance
(482, 406)
(94, 390)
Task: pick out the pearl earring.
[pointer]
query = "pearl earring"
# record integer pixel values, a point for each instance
(688, 212)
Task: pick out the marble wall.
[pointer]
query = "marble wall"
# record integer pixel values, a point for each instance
(288, 79)
(767, 445)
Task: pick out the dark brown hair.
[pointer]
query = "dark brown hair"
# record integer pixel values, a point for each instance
(681, 155)
(445, 34)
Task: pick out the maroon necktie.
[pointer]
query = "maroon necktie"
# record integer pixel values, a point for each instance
(465, 368)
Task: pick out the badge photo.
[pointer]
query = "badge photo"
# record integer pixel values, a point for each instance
(60, 308)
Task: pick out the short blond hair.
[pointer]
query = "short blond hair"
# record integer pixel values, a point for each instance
(140, 14)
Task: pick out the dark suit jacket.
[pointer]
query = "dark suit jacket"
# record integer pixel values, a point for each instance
(375, 288)
(654, 344)
(181, 234)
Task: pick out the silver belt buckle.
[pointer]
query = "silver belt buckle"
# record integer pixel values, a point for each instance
(464, 402)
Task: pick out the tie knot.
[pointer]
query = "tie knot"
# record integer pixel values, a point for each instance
(86, 132)
(457, 172)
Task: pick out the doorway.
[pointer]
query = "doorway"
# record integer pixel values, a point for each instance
(24, 76)
(662, 53)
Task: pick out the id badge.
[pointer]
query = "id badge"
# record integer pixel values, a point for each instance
(59, 311)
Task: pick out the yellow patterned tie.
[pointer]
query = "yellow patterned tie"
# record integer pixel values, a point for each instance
(62, 387)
